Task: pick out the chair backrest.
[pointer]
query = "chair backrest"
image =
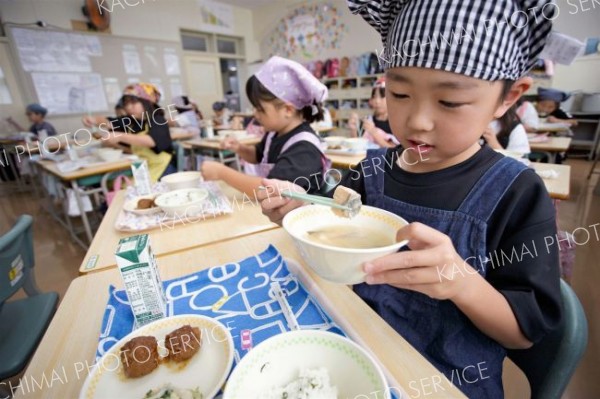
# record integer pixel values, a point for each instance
(16, 257)
(550, 364)
(179, 153)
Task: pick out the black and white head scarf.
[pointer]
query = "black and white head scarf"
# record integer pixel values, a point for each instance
(484, 39)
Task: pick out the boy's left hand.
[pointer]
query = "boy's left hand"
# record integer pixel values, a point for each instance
(211, 170)
(432, 267)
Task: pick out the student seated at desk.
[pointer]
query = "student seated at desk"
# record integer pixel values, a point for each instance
(528, 115)
(37, 114)
(147, 129)
(548, 106)
(287, 99)
(222, 114)
(375, 128)
(507, 133)
(451, 294)
(188, 115)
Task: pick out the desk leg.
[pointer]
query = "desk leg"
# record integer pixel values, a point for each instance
(84, 218)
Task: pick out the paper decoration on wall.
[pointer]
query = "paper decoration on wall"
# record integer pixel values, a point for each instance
(150, 53)
(307, 31)
(113, 90)
(70, 93)
(5, 97)
(216, 17)
(176, 88)
(158, 83)
(53, 51)
(131, 60)
(171, 62)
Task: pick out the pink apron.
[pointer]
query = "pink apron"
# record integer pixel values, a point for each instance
(264, 168)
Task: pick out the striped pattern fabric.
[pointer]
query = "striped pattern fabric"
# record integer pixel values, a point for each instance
(490, 40)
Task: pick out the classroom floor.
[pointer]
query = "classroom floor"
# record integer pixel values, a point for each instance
(58, 261)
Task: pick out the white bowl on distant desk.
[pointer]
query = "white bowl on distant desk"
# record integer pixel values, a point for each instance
(235, 134)
(182, 203)
(110, 154)
(336, 263)
(334, 141)
(356, 144)
(179, 180)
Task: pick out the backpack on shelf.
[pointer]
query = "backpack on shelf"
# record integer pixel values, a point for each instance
(353, 67)
(333, 68)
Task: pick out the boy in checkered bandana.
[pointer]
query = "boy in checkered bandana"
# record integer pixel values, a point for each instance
(477, 277)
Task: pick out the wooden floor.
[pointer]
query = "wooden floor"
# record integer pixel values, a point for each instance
(58, 259)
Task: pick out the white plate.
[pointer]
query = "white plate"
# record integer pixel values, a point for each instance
(131, 206)
(207, 370)
(277, 361)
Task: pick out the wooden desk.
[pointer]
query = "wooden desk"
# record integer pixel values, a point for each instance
(344, 161)
(245, 220)
(553, 127)
(560, 187)
(216, 144)
(72, 337)
(552, 146)
(557, 188)
(181, 134)
(100, 169)
(76, 179)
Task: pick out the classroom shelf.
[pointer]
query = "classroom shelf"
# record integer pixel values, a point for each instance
(348, 95)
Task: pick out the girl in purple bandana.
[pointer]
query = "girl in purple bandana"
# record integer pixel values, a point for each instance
(287, 98)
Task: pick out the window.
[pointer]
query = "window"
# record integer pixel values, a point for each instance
(226, 46)
(194, 42)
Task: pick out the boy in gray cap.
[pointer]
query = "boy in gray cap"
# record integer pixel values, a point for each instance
(37, 114)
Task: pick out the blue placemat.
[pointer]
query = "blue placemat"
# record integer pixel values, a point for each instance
(237, 294)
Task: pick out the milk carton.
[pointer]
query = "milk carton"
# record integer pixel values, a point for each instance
(143, 285)
(141, 176)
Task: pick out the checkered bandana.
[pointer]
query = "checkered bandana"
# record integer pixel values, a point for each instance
(490, 40)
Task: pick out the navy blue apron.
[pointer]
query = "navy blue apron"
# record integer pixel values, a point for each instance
(437, 328)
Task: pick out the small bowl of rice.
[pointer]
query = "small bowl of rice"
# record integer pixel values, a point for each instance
(306, 364)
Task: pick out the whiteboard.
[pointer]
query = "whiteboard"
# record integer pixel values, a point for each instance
(76, 73)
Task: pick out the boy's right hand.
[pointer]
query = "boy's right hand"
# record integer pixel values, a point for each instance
(273, 205)
(229, 143)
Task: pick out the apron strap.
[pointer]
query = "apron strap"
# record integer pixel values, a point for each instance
(265, 158)
(484, 197)
(374, 190)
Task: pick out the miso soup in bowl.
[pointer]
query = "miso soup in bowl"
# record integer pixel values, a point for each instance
(336, 247)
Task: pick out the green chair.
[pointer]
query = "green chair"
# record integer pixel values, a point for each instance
(550, 364)
(24, 321)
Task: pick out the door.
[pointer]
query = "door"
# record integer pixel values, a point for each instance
(203, 81)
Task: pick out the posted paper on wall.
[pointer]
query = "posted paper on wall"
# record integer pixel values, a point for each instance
(52, 51)
(68, 93)
(171, 62)
(131, 60)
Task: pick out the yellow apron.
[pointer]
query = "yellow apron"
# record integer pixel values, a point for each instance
(157, 163)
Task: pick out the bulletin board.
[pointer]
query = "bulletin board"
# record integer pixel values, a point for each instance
(77, 73)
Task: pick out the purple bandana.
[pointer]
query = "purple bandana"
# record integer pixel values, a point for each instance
(291, 82)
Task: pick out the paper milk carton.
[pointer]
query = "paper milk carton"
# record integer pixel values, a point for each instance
(141, 176)
(143, 285)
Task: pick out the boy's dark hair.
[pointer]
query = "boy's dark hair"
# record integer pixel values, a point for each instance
(258, 93)
(510, 119)
(379, 89)
(219, 106)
